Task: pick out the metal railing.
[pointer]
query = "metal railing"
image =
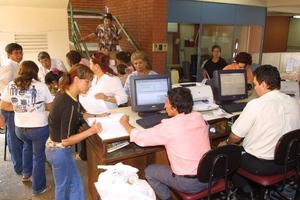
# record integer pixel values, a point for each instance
(76, 33)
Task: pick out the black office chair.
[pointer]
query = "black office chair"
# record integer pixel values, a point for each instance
(286, 152)
(215, 165)
(200, 74)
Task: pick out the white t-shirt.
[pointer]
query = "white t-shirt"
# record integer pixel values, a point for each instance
(29, 105)
(264, 120)
(8, 72)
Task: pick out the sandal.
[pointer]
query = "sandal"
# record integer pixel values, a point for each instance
(77, 157)
(25, 179)
(47, 188)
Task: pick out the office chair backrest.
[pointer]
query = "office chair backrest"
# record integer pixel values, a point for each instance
(200, 74)
(287, 148)
(253, 66)
(174, 76)
(219, 162)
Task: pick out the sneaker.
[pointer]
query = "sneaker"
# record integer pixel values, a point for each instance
(288, 191)
(48, 187)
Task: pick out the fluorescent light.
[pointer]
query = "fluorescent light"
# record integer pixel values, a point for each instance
(296, 16)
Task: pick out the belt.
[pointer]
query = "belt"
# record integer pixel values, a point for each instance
(51, 144)
(185, 176)
(28, 128)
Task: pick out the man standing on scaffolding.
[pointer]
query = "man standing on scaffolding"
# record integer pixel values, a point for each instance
(107, 34)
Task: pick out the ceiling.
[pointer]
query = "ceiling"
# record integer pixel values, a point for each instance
(274, 7)
(283, 7)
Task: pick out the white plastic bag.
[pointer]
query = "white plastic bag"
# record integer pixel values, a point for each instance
(121, 182)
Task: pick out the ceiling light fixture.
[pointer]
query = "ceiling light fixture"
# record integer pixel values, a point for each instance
(296, 16)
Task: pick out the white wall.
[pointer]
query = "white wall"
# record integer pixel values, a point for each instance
(280, 60)
(293, 43)
(37, 25)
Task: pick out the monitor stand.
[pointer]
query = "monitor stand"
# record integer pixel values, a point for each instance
(148, 114)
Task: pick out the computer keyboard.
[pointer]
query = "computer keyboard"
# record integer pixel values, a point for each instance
(233, 107)
(148, 122)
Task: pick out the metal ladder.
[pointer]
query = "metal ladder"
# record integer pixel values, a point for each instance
(76, 33)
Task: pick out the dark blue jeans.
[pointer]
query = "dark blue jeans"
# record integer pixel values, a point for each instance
(15, 145)
(67, 178)
(34, 157)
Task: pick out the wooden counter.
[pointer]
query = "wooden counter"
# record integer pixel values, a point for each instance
(135, 156)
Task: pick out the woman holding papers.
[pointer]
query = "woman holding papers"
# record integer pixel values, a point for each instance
(64, 118)
(105, 93)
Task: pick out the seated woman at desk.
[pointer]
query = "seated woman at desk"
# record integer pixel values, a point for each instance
(186, 128)
(242, 61)
(105, 93)
(214, 63)
(142, 66)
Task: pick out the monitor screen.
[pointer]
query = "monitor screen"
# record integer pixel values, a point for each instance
(230, 85)
(148, 93)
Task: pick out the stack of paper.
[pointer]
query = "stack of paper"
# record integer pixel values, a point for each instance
(204, 106)
(111, 126)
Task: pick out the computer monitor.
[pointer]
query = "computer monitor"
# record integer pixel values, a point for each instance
(230, 85)
(149, 93)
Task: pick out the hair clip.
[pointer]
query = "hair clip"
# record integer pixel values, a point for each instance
(55, 71)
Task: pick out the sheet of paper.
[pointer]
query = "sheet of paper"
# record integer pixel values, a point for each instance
(92, 105)
(111, 126)
(204, 106)
(290, 64)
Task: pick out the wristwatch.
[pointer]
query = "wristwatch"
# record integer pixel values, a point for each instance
(227, 141)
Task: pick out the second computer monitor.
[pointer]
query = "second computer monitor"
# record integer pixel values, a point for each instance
(229, 85)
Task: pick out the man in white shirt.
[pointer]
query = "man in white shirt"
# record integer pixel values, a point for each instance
(8, 72)
(263, 121)
(47, 64)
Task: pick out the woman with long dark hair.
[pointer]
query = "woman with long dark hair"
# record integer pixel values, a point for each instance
(30, 99)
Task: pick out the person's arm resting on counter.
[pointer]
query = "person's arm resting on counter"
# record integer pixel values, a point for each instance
(232, 139)
(124, 121)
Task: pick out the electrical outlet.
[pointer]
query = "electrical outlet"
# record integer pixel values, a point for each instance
(159, 47)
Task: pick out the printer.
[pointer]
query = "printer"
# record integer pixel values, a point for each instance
(290, 88)
(202, 95)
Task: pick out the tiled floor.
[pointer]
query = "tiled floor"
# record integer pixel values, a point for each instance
(12, 188)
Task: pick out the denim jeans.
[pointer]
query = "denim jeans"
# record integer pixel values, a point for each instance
(34, 155)
(160, 178)
(67, 179)
(15, 145)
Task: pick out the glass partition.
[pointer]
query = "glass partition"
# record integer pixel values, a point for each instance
(189, 42)
(249, 39)
(221, 35)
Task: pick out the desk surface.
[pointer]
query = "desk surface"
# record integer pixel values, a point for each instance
(133, 155)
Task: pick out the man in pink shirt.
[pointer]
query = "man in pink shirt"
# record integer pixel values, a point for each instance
(185, 137)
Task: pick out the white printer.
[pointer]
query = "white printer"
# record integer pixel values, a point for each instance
(202, 95)
(290, 88)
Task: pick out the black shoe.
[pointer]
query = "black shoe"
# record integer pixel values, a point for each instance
(241, 195)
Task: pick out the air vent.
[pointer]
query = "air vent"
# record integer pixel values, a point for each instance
(32, 43)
